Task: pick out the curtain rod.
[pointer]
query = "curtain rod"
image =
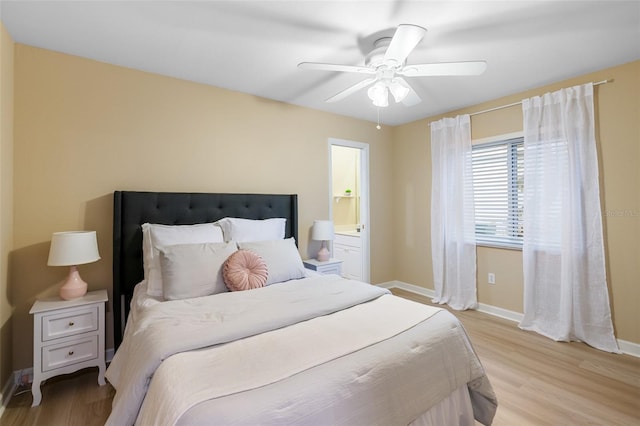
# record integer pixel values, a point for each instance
(518, 103)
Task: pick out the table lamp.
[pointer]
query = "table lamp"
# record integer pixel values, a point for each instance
(322, 231)
(73, 248)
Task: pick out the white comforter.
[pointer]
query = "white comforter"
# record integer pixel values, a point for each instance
(304, 324)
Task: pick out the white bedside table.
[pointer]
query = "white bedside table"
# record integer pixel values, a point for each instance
(331, 266)
(68, 335)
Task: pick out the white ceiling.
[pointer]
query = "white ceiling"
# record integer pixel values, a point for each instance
(254, 46)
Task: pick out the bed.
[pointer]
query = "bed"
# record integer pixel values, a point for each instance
(303, 349)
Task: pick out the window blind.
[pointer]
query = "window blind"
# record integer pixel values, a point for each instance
(498, 182)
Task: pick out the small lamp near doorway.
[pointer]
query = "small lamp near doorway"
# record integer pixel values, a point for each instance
(322, 231)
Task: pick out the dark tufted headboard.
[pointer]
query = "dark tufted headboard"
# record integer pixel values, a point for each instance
(132, 208)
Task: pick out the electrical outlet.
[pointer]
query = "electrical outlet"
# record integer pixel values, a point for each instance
(491, 278)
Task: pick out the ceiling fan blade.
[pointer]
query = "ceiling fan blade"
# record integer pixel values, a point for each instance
(444, 68)
(335, 67)
(348, 91)
(405, 39)
(412, 97)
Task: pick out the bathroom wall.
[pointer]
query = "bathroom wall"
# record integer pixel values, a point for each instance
(345, 170)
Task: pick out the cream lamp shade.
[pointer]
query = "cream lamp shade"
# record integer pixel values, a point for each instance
(322, 231)
(73, 248)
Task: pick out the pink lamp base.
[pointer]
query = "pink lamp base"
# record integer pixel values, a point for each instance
(74, 286)
(323, 254)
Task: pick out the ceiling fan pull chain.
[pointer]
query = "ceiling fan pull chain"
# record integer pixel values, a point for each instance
(378, 126)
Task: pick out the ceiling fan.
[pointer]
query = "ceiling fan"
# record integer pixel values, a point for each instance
(387, 63)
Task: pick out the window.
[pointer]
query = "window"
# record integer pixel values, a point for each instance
(498, 177)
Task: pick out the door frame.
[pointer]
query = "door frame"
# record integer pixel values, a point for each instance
(364, 199)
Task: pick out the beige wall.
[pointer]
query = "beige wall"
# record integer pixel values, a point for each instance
(618, 133)
(345, 171)
(6, 202)
(84, 129)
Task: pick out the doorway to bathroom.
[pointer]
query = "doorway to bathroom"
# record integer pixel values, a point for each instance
(349, 206)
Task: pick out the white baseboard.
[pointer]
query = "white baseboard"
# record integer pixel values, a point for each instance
(629, 348)
(427, 292)
(7, 392)
(500, 312)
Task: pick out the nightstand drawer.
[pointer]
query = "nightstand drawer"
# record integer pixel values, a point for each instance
(61, 355)
(332, 266)
(330, 269)
(69, 323)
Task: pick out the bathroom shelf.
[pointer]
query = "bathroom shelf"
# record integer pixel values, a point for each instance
(340, 197)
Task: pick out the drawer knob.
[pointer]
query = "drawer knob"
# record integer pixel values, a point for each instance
(70, 353)
(71, 323)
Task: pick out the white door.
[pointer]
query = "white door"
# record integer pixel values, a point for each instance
(355, 261)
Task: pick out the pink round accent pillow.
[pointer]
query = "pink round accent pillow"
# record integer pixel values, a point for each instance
(244, 270)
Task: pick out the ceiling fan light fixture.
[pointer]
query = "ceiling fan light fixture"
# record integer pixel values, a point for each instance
(398, 91)
(379, 94)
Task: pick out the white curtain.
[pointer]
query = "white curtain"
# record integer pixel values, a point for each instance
(565, 287)
(453, 240)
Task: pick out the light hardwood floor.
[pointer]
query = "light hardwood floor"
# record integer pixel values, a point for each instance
(537, 382)
(70, 400)
(542, 382)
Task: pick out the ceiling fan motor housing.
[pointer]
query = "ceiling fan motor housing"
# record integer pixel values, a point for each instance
(375, 58)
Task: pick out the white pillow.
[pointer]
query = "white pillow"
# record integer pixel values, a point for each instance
(156, 236)
(281, 256)
(240, 230)
(194, 270)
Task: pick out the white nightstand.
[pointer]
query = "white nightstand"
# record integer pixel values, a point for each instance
(68, 335)
(331, 266)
